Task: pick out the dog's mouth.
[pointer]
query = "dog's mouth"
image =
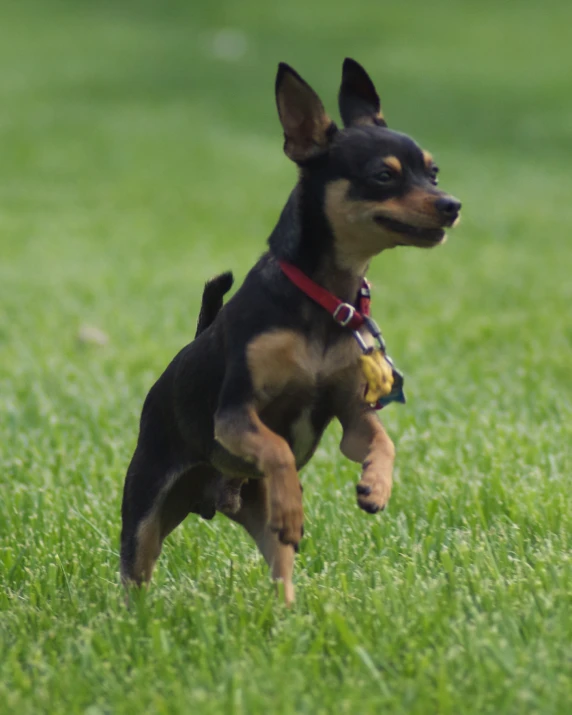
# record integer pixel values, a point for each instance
(426, 236)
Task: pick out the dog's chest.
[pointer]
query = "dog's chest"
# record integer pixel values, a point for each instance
(284, 360)
(303, 436)
(295, 380)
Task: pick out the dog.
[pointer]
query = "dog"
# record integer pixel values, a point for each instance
(241, 409)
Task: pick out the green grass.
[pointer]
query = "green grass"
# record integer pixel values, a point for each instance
(134, 164)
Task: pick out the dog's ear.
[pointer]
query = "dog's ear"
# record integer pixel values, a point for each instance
(307, 128)
(358, 100)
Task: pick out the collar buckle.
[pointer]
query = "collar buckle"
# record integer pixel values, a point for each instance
(344, 314)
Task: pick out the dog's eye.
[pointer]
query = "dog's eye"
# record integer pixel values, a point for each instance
(433, 175)
(384, 177)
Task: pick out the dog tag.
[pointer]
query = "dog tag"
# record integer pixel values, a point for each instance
(378, 374)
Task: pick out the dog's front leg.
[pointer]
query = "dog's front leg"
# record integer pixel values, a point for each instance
(364, 440)
(241, 432)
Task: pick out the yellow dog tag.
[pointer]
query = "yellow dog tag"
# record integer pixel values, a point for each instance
(378, 376)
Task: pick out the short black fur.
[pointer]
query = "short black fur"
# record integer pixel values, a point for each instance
(180, 463)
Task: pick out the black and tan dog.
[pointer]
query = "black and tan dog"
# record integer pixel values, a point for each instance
(242, 408)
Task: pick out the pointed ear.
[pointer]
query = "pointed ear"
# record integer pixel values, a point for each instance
(307, 128)
(358, 100)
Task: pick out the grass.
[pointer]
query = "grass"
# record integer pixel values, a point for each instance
(141, 154)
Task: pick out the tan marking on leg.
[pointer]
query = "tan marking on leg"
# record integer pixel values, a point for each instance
(282, 562)
(428, 159)
(148, 548)
(170, 507)
(366, 441)
(244, 434)
(253, 516)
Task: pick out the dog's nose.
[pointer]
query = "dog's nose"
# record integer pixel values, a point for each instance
(448, 207)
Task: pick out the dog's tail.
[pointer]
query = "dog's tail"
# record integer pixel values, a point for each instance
(215, 289)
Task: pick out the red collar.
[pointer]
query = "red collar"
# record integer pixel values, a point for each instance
(343, 313)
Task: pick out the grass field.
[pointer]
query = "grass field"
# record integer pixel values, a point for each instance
(139, 154)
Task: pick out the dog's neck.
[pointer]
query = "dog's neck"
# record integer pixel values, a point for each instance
(304, 238)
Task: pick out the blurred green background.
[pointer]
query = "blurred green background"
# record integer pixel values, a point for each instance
(140, 153)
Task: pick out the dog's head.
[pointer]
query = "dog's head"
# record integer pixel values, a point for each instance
(379, 187)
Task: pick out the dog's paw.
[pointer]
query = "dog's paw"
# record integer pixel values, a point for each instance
(287, 518)
(373, 495)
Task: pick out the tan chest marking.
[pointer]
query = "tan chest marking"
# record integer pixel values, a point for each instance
(283, 358)
(278, 358)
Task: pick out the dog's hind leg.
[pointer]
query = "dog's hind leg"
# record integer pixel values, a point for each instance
(140, 532)
(254, 516)
(155, 501)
